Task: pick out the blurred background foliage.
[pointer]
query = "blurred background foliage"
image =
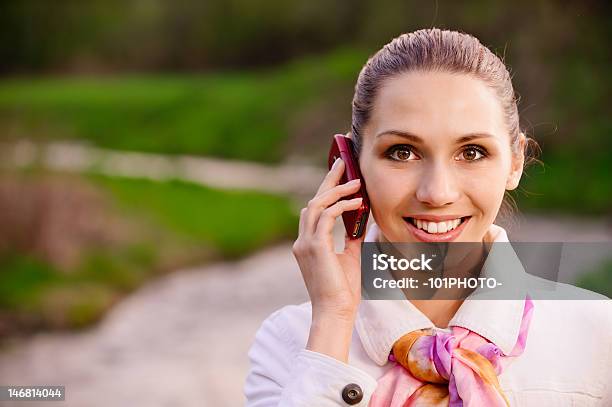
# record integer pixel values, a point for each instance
(257, 80)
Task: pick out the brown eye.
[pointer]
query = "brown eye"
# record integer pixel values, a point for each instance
(401, 153)
(472, 154)
(469, 154)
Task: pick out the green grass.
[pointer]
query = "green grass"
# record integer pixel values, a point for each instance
(175, 224)
(242, 115)
(599, 280)
(571, 181)
(233, 222)
(45, 296)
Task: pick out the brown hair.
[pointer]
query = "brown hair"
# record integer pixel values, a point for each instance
(439, 50)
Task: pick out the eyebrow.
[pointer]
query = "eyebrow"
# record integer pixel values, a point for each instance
(416, 139)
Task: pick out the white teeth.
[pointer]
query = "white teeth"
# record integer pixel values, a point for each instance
(436, 227)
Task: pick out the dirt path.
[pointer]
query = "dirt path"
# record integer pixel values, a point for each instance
(179, 341)
(213, 172)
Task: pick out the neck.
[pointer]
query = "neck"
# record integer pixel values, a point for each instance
(461, 263)
(440, 312)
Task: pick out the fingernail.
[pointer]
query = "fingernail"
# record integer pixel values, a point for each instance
(337, 162)
(355, 181)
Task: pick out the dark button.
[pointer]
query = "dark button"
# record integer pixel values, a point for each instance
(352, 393)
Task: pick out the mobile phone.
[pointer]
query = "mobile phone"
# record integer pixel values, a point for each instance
(355, 221)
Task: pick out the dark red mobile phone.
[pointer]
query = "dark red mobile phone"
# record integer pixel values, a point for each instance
(354, 221)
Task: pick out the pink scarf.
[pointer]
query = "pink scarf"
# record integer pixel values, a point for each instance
(447, 369)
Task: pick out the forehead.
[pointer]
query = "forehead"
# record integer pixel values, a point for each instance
(435, 105)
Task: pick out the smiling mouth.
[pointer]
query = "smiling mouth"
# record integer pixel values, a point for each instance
(437, 227)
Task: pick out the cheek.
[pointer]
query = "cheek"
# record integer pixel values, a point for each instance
(389, 189)
(484, 189)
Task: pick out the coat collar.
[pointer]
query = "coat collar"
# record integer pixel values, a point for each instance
(380, 323)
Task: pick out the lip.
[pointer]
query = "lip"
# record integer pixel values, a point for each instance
(437, 218)
(423, 236)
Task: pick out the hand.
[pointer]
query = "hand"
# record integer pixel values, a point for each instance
(333, 280)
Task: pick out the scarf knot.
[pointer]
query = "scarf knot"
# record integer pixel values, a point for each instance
(455, 369)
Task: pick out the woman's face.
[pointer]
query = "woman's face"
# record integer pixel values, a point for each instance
(436, 158)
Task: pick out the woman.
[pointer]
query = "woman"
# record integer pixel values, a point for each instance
(436, 126)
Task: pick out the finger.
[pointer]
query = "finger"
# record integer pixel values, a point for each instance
(301, 227)
(328, 217)
(353, 246)
(321, 202)
(332, 195)
(333, 177)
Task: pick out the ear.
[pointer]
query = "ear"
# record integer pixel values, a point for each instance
(518, 160)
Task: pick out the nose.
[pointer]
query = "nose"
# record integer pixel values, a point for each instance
(438, 186)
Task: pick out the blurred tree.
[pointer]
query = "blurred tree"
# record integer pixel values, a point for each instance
(165, 35)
